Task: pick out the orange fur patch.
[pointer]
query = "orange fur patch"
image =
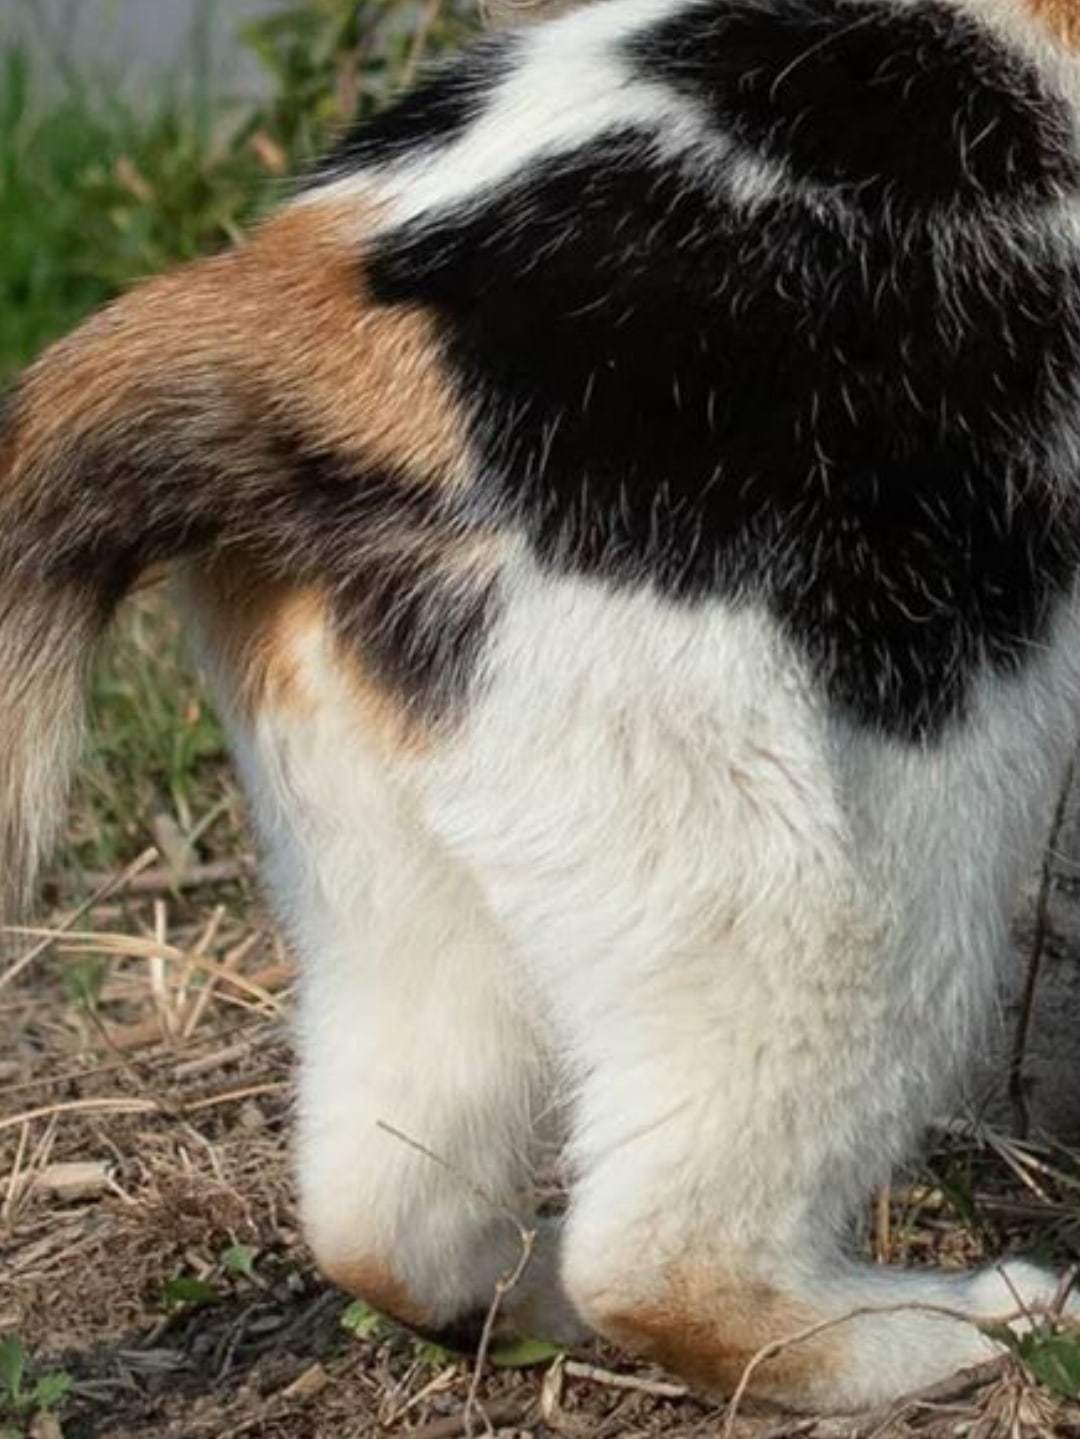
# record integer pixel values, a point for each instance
(258, 628)
(1060, 17)
(707, 1329)
(252, 624)
(377, 1285)
(285, 320)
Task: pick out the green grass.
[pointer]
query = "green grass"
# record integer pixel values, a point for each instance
(45, 282)
(24, 1394)
(95, 194)
(98, 191)
(157, 762)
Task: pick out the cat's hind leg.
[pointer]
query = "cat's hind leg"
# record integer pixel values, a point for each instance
(421, 1071)
(764, 940)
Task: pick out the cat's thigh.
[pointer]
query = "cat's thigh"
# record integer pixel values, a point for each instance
(421, 1071)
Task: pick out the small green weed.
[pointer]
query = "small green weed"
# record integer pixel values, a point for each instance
(240, 1259)
(1051, 1356)
(363, 1322)
(157, 751)
(524, 1353)
(84, 979)
(184, 1291)
(24, 1394)
(426, 1351)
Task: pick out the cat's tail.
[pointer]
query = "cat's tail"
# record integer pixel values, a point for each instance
(105, 469)
(159, 429)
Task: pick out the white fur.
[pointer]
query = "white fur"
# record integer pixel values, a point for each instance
(753, 943)
(569, 86)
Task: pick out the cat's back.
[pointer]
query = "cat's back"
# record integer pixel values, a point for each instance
(762, 303)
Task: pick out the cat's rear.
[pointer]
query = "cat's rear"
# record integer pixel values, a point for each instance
(627, 505)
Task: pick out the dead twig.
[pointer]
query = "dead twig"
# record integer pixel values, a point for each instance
(200, 948)
(230, 1054)
(49, 938)
(1065, 1287)
(232, 1096)
(162, 881)
(442, 1380)
(1017, 1097)
(661, 1388)
(15, 1178)
(883, 1224)
(111, 1105)
(130, 946)
(503, 1286)
(73, 1179)
(121, 1104)
(229, 966)
(501, 1413)
(129, 1068)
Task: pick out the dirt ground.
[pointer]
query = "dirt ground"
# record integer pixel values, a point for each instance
(149, 1248)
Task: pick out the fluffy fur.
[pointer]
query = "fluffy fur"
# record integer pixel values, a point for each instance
(627, 503)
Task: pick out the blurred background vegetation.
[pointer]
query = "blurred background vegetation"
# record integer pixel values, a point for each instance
(100, 187)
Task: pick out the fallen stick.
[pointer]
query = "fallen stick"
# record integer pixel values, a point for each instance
(47, 939)
(573, 1369)
(207, 1063)
(75, 1179)
(122, 1105)
(499, 1413)
(135, 1036)
(163, 881)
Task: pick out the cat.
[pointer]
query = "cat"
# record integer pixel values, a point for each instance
(627, 504)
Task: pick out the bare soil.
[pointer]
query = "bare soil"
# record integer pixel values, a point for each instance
(145, 1097)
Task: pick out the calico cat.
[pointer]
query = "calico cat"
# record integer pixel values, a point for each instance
(628, 501)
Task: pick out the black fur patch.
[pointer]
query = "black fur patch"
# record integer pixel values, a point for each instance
(433, 114)
(193, 478)
(389, 555)
(840, 417)
(908, 103)
(460, 1336)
